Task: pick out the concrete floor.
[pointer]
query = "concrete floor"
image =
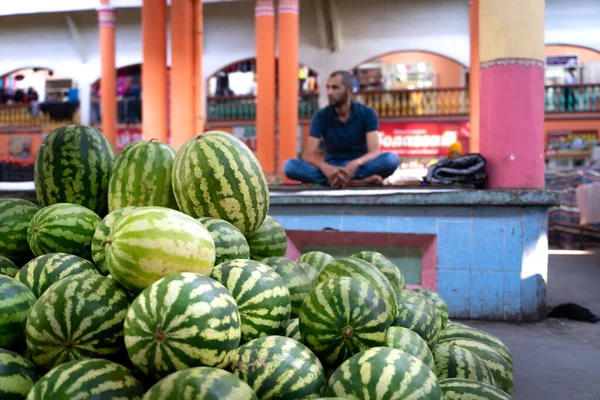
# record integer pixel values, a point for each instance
(555, 359)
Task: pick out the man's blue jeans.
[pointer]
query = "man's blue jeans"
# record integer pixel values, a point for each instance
(299, 170)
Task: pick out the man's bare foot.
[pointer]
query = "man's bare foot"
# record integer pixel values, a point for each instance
(373, 180)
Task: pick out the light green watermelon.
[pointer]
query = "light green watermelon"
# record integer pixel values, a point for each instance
(63, 228)
(181, 321)
(269, 240)
(7, 267)
(384, 373)
(77, 317)
(216, 175)
(278, 367)
(17, 375)
(201, 383)
(149, 243)
(461, 389)
(101, 235)
(16, 301)
(292, 330)
(310, 271)
(230, 244)
(317, 259)
(297, 281)
(408, 341)
(141, 176)
(15, 215)
(440, 303)
(456, 362)
(341, 317)
(383, 264)
(41, 272)
(73, 165)
(419, 314)
(261, 295)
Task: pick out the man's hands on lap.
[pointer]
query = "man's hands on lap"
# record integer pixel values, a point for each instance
(339, 177)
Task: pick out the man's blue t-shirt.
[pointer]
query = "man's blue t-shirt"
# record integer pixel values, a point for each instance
(344, 141)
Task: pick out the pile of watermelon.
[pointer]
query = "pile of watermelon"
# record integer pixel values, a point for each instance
(158, 274)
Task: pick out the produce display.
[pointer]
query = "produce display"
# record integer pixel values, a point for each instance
(159, 274)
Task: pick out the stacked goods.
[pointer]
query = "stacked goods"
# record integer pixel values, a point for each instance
(197, 300)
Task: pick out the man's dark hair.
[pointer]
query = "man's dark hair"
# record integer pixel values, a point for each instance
(347, 78)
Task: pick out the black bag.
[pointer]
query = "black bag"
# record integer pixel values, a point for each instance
(465, 170)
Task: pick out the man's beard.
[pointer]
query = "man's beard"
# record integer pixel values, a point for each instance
(340, 102)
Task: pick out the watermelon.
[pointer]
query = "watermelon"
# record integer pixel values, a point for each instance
(341, 317)
(41, 272)
(17, 375)
(80, 316)
(383, 264)
(73, 165)
(439, 302)
(357, 268)
(216, 175)
(180, 321)
(15, 215)
(384, 373)
(454, 331)
(260, 294)
(141, 176)
(460, 389)
(408, 341)
(278, 367)
(16, 302)
(63, 228)
(204, 383)
(310, 271)
(456, 362)
(317, 259)
(230, 244)
(419, 314)
(292, 330)
(7, 267)
(499, 367)
(149, 243)
(269, 240)
(297, 281)
(101, 234)
(88, 379)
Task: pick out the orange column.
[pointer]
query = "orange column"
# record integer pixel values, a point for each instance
(474, 76)
(108, 78)
(182, 72)
(154, 70)
(288, 81)
(265, 80)
(199, 78)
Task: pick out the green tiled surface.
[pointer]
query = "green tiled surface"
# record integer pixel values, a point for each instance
(407, 258)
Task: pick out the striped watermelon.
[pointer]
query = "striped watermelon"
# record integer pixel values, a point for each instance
(149, 243)
(15, 215)
(216, 175)
(269, 240)
(383, 264)
(384, 373)
(203, 383)
(292, 330)
(16, 302)
(439, 302)
(419, 314)
(141, 176)
(7, 267)
(77, 317)
(499, 367)
(357, 268)
(17, 376)
(456, 362)
(460, 389)
(260, 294)
(310, 271)
(316, 259)
(230, 244)
(278, 367)
(101, 234)
(73, 165)
(297, 281)
(88, 379)
(41, 272)
(63, 228)
(454, 331)
(408, 341)
(180, 321)
(341, 317)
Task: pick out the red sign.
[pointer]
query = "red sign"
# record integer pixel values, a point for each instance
(422, 139)
(127, 136)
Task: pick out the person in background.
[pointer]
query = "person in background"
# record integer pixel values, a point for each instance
(349, 131)
(33, 97)
(570, 79)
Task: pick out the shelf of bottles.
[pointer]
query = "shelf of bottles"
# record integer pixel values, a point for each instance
(243, 108)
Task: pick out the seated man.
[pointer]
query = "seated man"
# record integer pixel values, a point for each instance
(349, 131)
